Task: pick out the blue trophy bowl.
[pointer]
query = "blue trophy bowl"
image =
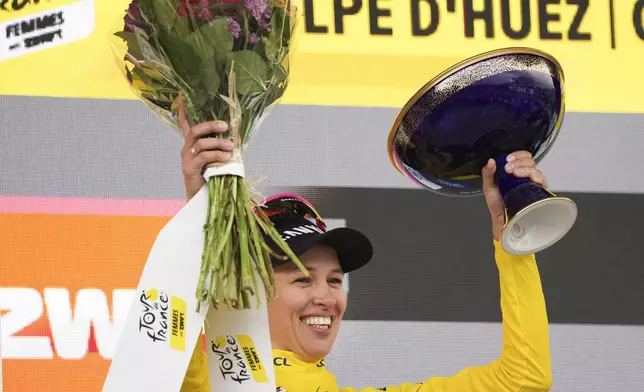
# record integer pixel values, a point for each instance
(489, 106)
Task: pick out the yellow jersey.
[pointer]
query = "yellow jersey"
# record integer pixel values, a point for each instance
(523, 366)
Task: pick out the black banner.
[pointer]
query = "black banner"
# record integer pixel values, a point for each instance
(434, 258)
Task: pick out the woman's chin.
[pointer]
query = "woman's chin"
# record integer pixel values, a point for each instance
(316, 343)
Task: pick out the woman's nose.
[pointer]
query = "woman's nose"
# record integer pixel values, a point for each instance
(323, 295)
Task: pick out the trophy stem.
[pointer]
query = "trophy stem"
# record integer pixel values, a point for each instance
(535, 217)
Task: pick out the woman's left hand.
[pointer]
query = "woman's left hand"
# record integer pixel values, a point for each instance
(520, 164)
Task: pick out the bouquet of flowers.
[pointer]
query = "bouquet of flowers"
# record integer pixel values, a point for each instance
(227, 60)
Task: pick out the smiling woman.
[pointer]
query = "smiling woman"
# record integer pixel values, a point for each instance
(305, 317)
(307, 312)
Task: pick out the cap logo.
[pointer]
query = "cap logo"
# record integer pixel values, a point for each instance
(300, 230)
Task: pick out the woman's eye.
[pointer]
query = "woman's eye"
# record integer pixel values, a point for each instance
(335, 281)
(303, 280)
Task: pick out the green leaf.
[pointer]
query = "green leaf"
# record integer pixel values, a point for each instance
(277, 19)
(166, 13)
(211, 43)
(200, 47)
(212, 80)
(251, 72)
(146, 8)
(154, 77)
(133, 47)
(270, 46)
(184, 58)
(280, 73)
(281, 23)
(260, 49)
(149, 53)
(182, 26)
(199, 98)
(218, 38)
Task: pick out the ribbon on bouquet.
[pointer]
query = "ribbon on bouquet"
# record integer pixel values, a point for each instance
(163, 326)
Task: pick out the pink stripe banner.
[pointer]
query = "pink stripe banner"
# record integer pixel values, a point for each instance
(89, 206)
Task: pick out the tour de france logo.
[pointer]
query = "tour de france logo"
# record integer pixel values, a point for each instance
(29, 26)
(163, 318)
(238, 359)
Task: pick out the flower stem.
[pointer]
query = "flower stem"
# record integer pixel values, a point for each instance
(275, 236)
(262, 263)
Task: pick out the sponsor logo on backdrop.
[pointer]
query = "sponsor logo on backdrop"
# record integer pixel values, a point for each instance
(29, 26)
(555, 20)
(19, 5)
(412, 41)
(238, 359)
(66, 325)
(408, 41)
(45, 326)
(163, 318)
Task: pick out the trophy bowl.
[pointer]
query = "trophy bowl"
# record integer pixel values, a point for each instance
(489, 106)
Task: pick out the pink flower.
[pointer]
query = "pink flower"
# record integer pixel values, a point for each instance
(256, 7)
(132, 14)
(233, 27)
(253, 38)
(265, 20)
(185, 5)
(205, 14)
(198, 8)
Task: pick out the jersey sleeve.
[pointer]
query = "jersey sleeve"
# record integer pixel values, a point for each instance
(196, 378)
(524, 364)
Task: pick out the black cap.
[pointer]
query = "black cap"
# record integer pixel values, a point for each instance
(353, 248)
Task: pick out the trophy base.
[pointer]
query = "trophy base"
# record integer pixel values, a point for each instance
(538, 226)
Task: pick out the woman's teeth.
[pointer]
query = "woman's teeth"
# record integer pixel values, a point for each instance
(318, 322)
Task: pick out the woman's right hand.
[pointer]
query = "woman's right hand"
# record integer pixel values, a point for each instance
(198, 151)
